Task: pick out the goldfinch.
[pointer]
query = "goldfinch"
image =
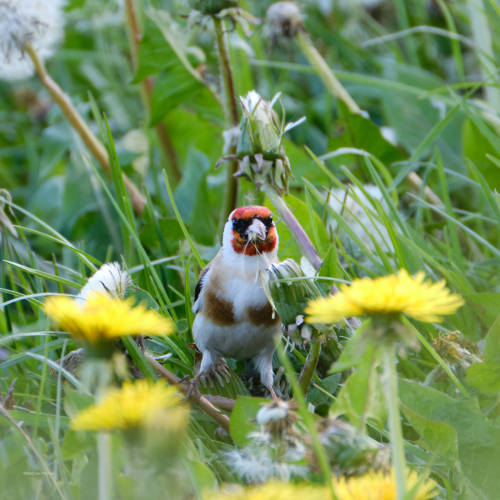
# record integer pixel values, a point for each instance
(233, 315)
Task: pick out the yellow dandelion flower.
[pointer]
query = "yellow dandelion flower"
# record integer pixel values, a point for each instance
(272, 490)
(380, 486)
(136, 404)
(103, 318)
(393, 294)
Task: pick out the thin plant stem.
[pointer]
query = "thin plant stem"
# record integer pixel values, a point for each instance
(308, 419)
(104, 466)
(79, 125)
(294, 225)
(390, 382)
(326, 74)
(231, 111)
(310, 365)
(147, 91)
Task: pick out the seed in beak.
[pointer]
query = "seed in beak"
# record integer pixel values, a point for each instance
(256, 231)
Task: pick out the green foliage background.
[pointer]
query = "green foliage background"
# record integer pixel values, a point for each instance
(429, 85)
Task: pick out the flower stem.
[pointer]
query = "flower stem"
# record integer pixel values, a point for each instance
(294, 225)
(79, 125)
(231, 111)
(395, 433)
(310, 365)
(147, 90)
(104, 466)
(326, 74)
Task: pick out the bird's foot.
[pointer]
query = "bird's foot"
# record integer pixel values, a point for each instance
(220, 374)
(192, 385)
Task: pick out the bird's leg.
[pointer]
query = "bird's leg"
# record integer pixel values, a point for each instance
(273, 394)
(207, 361)
(264, 364)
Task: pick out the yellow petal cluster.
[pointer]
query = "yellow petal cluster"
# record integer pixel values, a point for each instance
(393, 294)
(273, 490)
(380, 486)
(136, 404)
(103, 318)
(371, 486)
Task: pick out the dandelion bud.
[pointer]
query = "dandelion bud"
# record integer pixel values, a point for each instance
(260, 149)
(260, 130)
(211, 7)
(283, 20)
(37, 22)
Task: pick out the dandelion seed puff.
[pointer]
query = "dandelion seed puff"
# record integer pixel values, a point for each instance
(38, 22)
(109, 279)
(361, 215)
(254, 466)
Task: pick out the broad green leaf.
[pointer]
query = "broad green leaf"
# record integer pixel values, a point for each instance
(478, 438)
(243, 418)
(485, 377)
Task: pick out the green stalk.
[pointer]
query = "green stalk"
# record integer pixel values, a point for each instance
(309, 422)
(231, 111)
(390, 382)
(326, 74)
(104, 466)
(310, 365)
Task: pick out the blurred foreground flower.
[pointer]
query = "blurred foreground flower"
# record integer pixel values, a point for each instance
(380, 486)
(136, 404)
(273, 490)
(37, 22)
(372, 486)
(389, 295)
(102, 318)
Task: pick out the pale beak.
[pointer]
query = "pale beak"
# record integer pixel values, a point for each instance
(256, 231)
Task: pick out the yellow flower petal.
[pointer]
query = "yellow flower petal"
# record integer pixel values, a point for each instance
(371, 486)
(273, 490)
(103, 318)
(394, 294)
(380, 486)
(134, 405)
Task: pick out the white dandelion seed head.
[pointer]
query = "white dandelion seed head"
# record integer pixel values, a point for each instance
(283, 19)
(275, 411)
(256, 465)
(39, 22)
(361, 215)
(109, 279)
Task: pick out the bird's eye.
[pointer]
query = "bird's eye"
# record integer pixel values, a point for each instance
(240, 225)
(267, 221)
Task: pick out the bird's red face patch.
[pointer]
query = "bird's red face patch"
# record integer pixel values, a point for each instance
(241, 219)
